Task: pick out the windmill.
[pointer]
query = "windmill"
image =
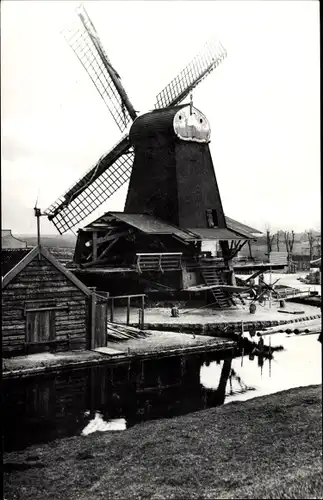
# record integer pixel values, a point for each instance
(173, 201)
(114, 169)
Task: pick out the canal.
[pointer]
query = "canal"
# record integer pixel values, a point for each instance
(116, 397)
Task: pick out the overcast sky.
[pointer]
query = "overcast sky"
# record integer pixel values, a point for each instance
(262, 101)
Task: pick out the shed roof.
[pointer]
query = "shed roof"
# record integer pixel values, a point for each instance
(216, 233)
(152, 225)
(242, 229)
(29, 256)
(10, 257)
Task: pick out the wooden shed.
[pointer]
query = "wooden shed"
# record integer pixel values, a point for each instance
(45, 307)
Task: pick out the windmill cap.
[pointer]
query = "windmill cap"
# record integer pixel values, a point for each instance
(170, 123)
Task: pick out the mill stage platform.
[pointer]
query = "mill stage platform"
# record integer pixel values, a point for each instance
(205, 321)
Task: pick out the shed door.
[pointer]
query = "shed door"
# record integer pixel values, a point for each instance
(101, 318)
(40, 326)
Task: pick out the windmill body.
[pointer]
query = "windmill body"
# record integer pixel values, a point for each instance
(173, 175)
(173, 202)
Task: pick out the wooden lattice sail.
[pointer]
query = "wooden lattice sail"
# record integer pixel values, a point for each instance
(113, 169)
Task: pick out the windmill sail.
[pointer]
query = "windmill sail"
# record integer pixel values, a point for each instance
(114, 169)
(87, 46)
(95, 187)
(199, 68)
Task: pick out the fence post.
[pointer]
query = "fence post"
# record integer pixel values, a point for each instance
(242, 336)
(93, 318)
(106, 319)
(142, 312)
(128, 310)
(112, 311)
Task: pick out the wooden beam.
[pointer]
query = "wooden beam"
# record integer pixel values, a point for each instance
(115, 235)
(101, 225)
(128, 311)
(143, 312)
(93, 317)
(80, 243)
(94, 263)
(102, 239)
(159, 253)
(58, 308)
(109, 237)
(126, 296)
(98, 227)
(112, 310)
(106, 250)
(180, 239)
(95, 245)
(100, 259)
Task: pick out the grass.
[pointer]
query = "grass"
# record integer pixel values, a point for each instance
(266, 447)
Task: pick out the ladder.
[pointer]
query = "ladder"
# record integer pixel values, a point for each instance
(211, 277)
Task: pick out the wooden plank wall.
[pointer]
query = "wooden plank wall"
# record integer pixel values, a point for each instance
(40, 280)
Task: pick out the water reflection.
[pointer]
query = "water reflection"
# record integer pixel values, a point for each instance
(299, 364)
(106, 398)
(99, 424)
(41, 409)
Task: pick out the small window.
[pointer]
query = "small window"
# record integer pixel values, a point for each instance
(215, 218)
(212, 218)
(209, 218)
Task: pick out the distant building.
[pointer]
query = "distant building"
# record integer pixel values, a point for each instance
(300, 262)
(316, 264)
(9, 241)
(278, 258)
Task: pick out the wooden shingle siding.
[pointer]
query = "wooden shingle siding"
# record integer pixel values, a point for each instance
(40, 281)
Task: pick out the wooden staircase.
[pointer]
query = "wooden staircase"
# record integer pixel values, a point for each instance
(211, 276)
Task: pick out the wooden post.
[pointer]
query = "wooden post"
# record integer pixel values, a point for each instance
(38, 229)
(128, 310)
(242, 352)
(142, 312)
(38, 215)
(94, 245)
(270, 281)
(107, 326)
(112, 311)
(93, 314)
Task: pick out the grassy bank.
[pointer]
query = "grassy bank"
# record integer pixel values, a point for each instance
(267, 447)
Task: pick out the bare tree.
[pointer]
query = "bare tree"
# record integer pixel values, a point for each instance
(278, 241)
(289, 239)
(317, 246)
(311, 241)
(269, 240)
